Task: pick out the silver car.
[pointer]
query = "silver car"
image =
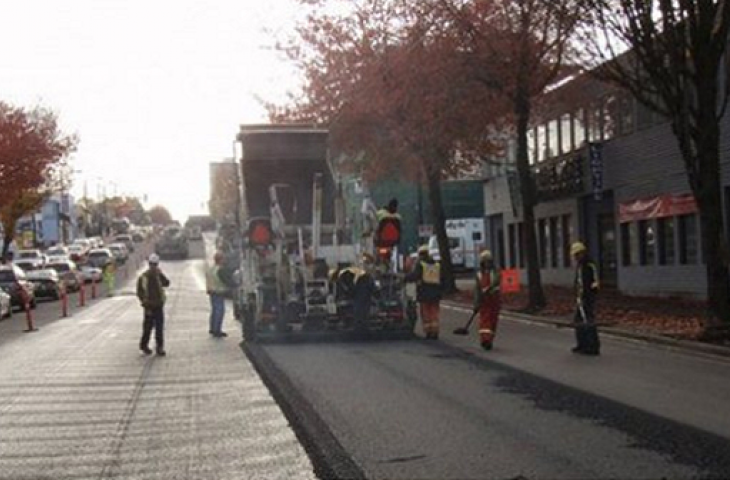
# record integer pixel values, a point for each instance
(6, 307)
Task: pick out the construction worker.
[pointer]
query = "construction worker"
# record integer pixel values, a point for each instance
(427, 275)
(219, 282)
(487, 299)
(357, 283)
(109, 274)
(586, 287)
(388, 211)
(151, 293)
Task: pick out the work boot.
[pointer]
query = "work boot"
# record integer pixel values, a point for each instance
(577, 350)
(220, 334)
(146, 350)
(161, 352)
(487, 345)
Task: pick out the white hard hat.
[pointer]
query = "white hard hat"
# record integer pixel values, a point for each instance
(485, 256)
(154, 259)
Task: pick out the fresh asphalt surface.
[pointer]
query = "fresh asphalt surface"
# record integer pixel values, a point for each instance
(528, 409)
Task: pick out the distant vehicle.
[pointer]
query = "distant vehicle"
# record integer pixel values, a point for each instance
(100, 257)
(26, 265)
(90, 274)
(6, 306)
(121, 225)
(32, 258)
(57, 251)
(120, 252)
(466, 241)
(15, 283)
(69, 273)
(127, 240)
(84, 242)
(194, 233)
(77, 253)
(46, 283)
(138, 236)
(173, 243)
(56, 259)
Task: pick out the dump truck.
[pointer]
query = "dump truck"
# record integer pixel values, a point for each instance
(295, 241)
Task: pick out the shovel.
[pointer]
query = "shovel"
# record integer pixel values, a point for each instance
(465, 329)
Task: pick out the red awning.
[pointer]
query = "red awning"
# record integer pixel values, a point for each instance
(656, 207)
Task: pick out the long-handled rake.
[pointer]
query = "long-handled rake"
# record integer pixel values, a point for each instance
(465, 329)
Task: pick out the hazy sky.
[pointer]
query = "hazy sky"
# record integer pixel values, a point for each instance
(155, 89)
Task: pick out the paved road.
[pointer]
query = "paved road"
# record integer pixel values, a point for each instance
(528, 409)
(78, 400)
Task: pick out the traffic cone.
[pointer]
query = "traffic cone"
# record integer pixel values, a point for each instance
(82, 296)
(29, 318)
(64, 304)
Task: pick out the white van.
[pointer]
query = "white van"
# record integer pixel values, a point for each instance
(467, 238)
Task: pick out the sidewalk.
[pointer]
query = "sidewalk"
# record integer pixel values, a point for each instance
(668, 321)
(78, 400)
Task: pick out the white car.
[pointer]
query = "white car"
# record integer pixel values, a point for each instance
(57, 251)
(91, 274)
(33, 258)
(120, 252)
(6, 308)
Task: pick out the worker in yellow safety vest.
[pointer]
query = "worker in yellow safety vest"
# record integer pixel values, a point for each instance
(427, 274)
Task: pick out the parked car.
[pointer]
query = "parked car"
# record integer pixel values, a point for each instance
(69, 273)
(34, 258)
(100, 257)
(77, 253)
(46, 283)
(90, 274)
(6, 305)
(126, 239)
(15, 283)
(120, 252)
(57, 251)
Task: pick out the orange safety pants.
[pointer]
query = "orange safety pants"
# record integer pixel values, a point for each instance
(489, 318)
(430, 317)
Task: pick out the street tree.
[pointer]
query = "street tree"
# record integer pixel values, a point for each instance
(33, 162)
(517, 48)
(390, 87)
(159, 215)
(672, 56)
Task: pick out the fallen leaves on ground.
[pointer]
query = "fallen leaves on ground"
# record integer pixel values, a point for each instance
(674, 317)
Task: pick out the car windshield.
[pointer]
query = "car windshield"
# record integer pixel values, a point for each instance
(60, 267)
(28, 255)
(98, 254)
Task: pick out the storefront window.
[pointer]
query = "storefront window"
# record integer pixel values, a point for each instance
(566, 237)
(647, 243)
(554, 242)
(542, 239)
(665, 228)
(688, 246)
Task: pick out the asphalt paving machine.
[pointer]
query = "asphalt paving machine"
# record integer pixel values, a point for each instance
(299, 266)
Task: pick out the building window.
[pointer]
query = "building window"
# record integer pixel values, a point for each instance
(512, 246)
(647, 243)
(566, 237)
(688, 246)
(542, 145)
(611, 116)
(579, 129)
(531, 151)
(566, 133)
(627, 114)
(542, 235)
(665, 229)
(553, 142)
(521, 235)
(554, 242)
(626, 231)
(595, 123)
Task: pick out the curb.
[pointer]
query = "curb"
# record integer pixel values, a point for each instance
(687, 345)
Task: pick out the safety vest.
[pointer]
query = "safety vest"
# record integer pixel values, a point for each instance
(489, 282)
(213, 281)
(431, 273)
(144, 285)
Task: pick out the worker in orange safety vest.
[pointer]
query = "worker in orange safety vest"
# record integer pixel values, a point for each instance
(487, 301)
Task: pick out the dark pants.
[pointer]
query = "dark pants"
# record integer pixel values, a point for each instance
(586, 333)
(153, 318)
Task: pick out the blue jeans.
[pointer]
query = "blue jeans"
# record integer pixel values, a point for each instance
(217, 312)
